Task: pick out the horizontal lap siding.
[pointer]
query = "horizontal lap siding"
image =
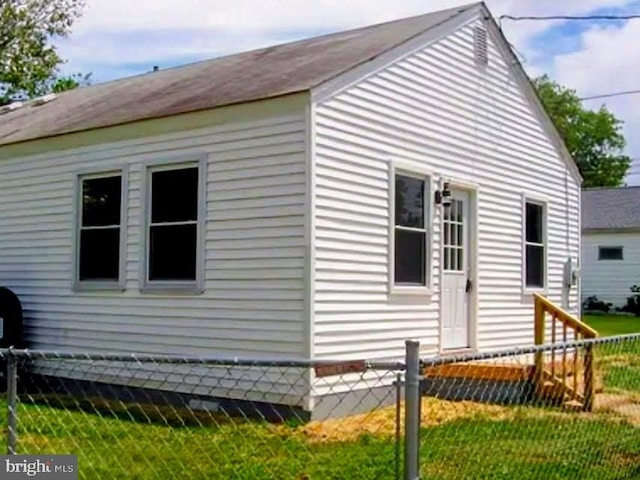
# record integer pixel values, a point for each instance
(253, 304)
(436, 110)
(610, 280)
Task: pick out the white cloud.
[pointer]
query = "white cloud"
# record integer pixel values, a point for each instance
(257, 22)
(608, 62)
(103, 36)
(608, 57)
(266, 15)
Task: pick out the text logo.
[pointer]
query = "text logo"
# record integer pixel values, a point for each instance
(45, 467)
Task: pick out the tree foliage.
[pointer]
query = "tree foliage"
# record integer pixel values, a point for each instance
(593, 137)
(29, 62)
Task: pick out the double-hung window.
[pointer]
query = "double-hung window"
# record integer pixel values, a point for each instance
(100, 235)
(410, 234)
(535, 245)
(174, 227)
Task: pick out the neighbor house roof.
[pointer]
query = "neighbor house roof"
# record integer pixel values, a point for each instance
(611, 208)
(249, 76)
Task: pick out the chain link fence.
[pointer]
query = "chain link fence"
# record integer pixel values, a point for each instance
(485, 416)
(161, 417)
(559, 411)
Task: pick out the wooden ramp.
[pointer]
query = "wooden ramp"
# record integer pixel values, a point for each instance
(481, 371)
(508, 382)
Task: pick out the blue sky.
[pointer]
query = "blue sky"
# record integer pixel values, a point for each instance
(117, 38)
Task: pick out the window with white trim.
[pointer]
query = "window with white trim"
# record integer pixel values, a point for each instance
(410, 231)
(174, 225)
(535, 245)
(610, 253)
(100, 229)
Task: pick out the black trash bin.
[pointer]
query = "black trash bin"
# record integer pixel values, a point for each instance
(10, 319)
(10, 328)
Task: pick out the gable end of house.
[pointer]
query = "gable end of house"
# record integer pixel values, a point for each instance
(346, 80)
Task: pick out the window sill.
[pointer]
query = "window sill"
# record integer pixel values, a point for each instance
(404, 292)
(531, 291)
(82, 287)
(457, 352)
(172, 288)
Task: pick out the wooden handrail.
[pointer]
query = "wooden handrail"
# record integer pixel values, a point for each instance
(566, 318)
(580, 331)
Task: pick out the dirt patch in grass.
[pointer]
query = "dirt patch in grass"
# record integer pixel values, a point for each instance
(435, 412)
(624, 405)
(383, 421)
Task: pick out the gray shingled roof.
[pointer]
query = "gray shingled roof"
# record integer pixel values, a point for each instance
(611, 208)
(244, 77)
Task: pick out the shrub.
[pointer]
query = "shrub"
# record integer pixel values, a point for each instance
(633, 302)
(592, 304)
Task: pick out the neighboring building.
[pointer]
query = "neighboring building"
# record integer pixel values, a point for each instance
(610, 243)
(285, 202)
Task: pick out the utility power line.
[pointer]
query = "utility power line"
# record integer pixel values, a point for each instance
(570, 17)
(562, 17)
(613, 94)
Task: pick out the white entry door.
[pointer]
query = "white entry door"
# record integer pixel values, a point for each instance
(456, 277)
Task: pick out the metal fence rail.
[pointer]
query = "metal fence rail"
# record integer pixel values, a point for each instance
(480, 416)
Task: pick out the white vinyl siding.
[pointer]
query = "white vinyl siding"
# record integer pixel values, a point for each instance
(610, 280)
(436, 110)
(253, 299)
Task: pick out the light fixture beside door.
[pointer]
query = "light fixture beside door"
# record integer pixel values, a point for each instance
(443, 194)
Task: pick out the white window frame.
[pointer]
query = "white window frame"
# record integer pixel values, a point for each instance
(188, 287)
(600, 247)
(399, 168)
(99, 285)
(544, 203)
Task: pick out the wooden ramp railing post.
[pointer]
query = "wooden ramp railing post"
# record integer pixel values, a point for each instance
(589, 384)
(570, 387)
(538, 368)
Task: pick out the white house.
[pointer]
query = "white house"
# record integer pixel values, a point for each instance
(290, 202)
(610, 262)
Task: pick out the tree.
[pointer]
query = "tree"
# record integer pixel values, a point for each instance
(61, 84)
(29, 62)
(593, 137)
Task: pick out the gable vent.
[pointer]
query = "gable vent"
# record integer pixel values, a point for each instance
(480, 46)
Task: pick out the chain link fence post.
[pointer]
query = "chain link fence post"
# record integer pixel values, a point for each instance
(412, 411)
(12, 401)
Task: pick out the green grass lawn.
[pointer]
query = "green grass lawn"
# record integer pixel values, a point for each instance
(548, 447)
(609, 325)
(617, 362)
(528, 443)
